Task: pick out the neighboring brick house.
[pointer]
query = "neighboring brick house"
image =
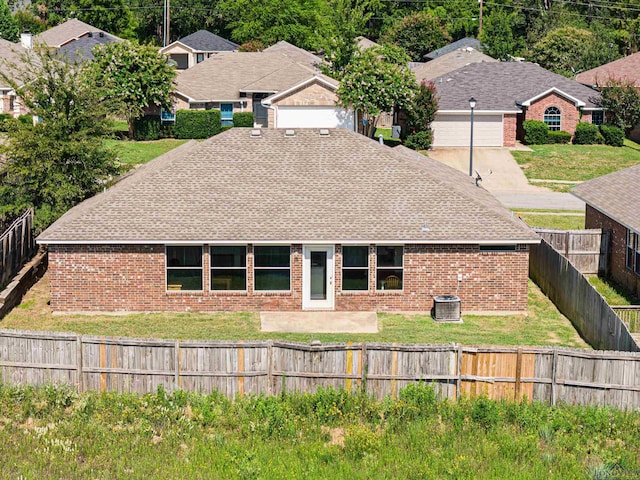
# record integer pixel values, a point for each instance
(281, 92)
(196, 48)
(613, 204)
(625, 69)
(306, 219)
(506, 94)
(11, 57)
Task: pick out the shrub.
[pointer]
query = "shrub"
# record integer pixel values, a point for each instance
(535, 132)
(419, 140)
(197, 123)
(243, 119)
(5, 121)
(147, 127)
(25, 119)
(558, 136)
(612, 135)
(586, 134)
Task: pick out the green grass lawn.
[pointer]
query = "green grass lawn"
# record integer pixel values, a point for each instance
(613, 293)
(558, 220)
(55, 433)
(135, 153)
(544, 325)
(576, 162)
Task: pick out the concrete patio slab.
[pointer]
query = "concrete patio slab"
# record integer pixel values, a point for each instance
(319, 322)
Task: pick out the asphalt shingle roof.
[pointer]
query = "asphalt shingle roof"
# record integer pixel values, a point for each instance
(617, 195)
(502, 86)
(342, 187)
(80, 49)
(626, 68)
(448, 63)
(225, 74)
(294, 53)
(63, 33)
(12, 57)
(463, 42)
(205, 41)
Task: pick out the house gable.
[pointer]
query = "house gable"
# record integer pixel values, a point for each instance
(569, 113)
(315, 93)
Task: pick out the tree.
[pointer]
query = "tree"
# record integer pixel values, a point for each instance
(419, 34)
(420, 115)
(346, 20)
(61, 160)
(621, 100)
(28, 22)
(132, 78)
(373, 84)
(270, 21)
(497, 36)
(570, 50)
(8, 26)
(112, 16)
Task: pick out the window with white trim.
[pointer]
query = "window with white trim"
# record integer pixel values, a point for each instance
(389, 267)
(228, 267)
(272, 268)
(553, 117)
(199, 57)
(597, 117)
(355, 267)
(184, 267)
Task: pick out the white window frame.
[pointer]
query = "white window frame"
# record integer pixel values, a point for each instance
(245, 268)
(553, 128)
(389, 268)
(167, 267)
(368, 268)
(271, 268)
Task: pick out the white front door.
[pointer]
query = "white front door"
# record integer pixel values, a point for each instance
(317, 277)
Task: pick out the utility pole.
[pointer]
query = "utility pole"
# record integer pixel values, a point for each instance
(165, 32)
(479, 18)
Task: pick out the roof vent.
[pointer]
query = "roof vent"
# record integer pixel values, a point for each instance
(289, 133)
(324, 132)
(256, 132)
(90, 34)
(101, 34)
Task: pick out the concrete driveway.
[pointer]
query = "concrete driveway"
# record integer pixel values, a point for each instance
(502, 176)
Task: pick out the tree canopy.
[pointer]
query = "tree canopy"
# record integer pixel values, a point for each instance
(8, 26)
(621, 99)
(418, 34)
(132, 78)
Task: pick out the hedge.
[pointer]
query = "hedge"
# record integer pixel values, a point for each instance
(535, 132)
(558, 136)
(419, 140)
(25, 119)
(612, 135)
(5, 121)
(586, 134)
(243, 119)
(147, 127)
(197, 123)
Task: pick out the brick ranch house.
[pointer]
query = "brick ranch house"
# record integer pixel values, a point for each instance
(11, 56)
(289, 220)
(280, 91)
(508, 93)
(613, 203)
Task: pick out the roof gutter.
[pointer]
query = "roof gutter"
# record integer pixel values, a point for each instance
(604, 212)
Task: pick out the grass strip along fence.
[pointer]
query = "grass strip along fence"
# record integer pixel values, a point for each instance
(380, 370)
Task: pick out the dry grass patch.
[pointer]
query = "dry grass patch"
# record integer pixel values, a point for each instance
(543, 326)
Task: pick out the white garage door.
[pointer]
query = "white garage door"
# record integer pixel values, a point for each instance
(314, 117)
(454, 130)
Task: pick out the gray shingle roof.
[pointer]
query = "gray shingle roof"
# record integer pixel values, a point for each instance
(12, 60)
(205, 41)
(617, 195)
(225, 74)
(294, 53)
(502, 86)
(342, 187)
(63, 33)
(449, 62)
(463, 42)
(80, 49)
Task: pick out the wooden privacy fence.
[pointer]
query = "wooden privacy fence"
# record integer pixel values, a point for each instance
(587, 250)
(269, 367)
(17, 245)
(630, 315)
(578, 300)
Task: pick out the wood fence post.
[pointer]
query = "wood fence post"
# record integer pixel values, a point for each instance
(554, 367)
(394, 372)
(459, 373)
(176, 365)
(103, 365)
(518, 374)
(79, 379)
(566, 244)
(240, 351)
(364, 355)
(349, 368)
(270, 367)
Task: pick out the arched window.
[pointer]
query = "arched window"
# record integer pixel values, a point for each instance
(552, 118)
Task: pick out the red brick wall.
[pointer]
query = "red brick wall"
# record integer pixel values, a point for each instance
(618, 270)
(132, 278)
(570, 114)
(509, 126)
